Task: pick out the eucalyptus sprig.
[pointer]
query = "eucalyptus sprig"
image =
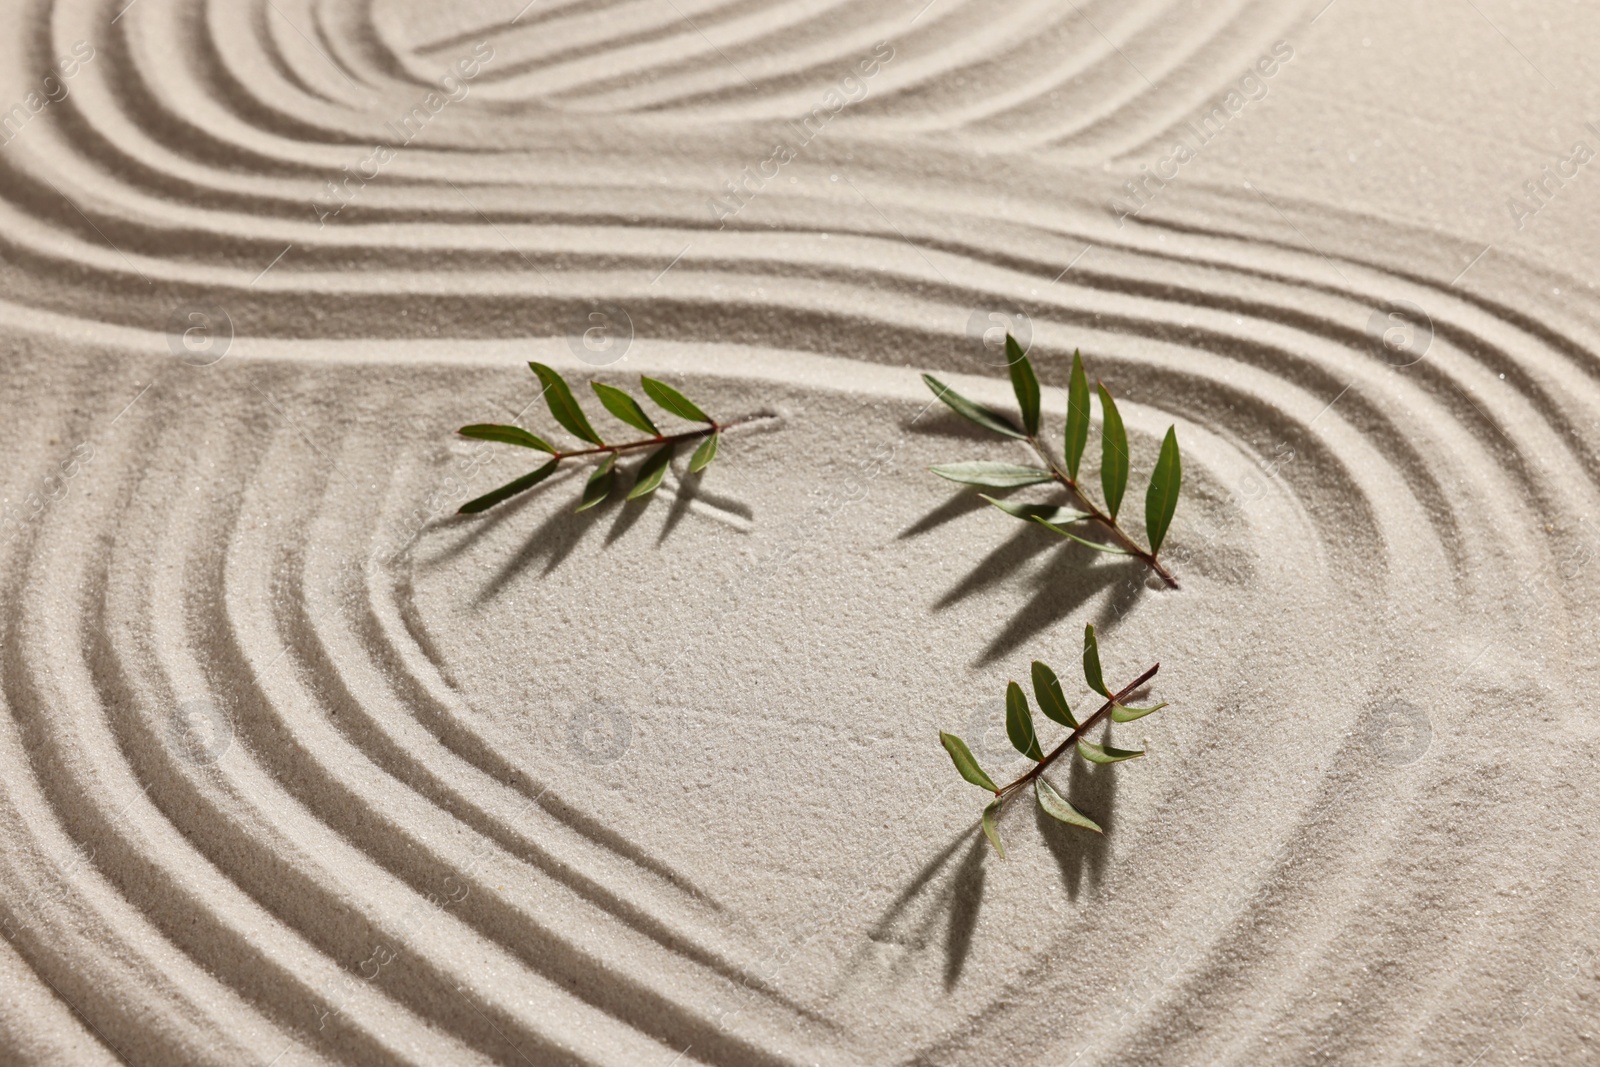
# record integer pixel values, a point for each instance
(1019, 727)
(1161, 498)
(558, 395)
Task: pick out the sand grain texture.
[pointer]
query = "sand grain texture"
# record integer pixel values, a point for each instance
(297, 767)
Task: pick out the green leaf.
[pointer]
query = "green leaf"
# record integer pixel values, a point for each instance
(989, 420)
(1161, 499)
(704, 454)
(624, 407)
(1052, 701)
(1077, 416)
(1091, 662)
(1104, 753)
(509, 490)
(966, 766)
(1119, 713)
(598, 487)
(507, 435)
(1113, 453)
(1050, 513)
(1019, 723)
(675, 402)
(651, 471)
(1055, 805)
(1025, 384)
(1098, 546)
(990, 830)
(563, 406)
(993, 475)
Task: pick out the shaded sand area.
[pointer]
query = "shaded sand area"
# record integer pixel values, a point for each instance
(297, 767)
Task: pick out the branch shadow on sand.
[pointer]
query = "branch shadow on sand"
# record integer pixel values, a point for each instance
(1071, 577)
(940, 906)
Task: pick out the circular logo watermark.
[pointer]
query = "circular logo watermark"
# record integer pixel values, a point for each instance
(199, 334)
(1399, 332)
(200, 732)
(985, 735)
(599, 732)
(1399, 733)
(601, 335)
(987, 329)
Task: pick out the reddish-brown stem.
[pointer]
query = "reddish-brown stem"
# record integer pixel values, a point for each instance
(661, 439)
(1118, 534)
(1072, 739)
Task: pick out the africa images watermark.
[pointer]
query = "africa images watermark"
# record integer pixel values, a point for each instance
(1541, 191)
(52, 90)
(1250, 88)
(453, 88)
(851, 89)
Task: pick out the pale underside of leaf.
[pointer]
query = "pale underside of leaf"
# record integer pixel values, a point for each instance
(1121, 713)
(989, 420)
(1051, 514)
(966, 765)
(1105, 753)
(991, 830)
(991, 475)
(1098, 546)
(1057, 807)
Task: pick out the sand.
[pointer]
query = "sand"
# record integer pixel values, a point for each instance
(297, 766)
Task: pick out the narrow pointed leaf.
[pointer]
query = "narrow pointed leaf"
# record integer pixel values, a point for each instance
(1056, 806)
(991, 830)
(1104, 753)
(563, 406)
(1019, 723)
(508, 435)
(966, 766)
(672, 400)
(1052, 701)
(1077, 416)
(1113, 453)
(1098, 546)
(989, 420)
(651, 471)
(509, 490)
(1091, 662)
(598, 487)
(624, 407)
(704, 454)
(1028, 512)
(992, 475)
(1025, 383)
(1126, 714)
(1161, 499)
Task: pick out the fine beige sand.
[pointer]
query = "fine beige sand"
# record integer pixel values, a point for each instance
(298, 767)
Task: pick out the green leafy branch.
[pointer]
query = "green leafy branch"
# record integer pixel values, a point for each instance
(564, 407)
(1161, 498)
(1019, 727)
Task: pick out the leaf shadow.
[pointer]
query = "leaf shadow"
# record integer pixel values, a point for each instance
(946, 892)
(1081, 854)
(959, 505)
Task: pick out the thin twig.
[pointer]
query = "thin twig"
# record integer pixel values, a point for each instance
(1127, 543)
(1088, 724)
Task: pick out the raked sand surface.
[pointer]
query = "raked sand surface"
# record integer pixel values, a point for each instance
(298, 767)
